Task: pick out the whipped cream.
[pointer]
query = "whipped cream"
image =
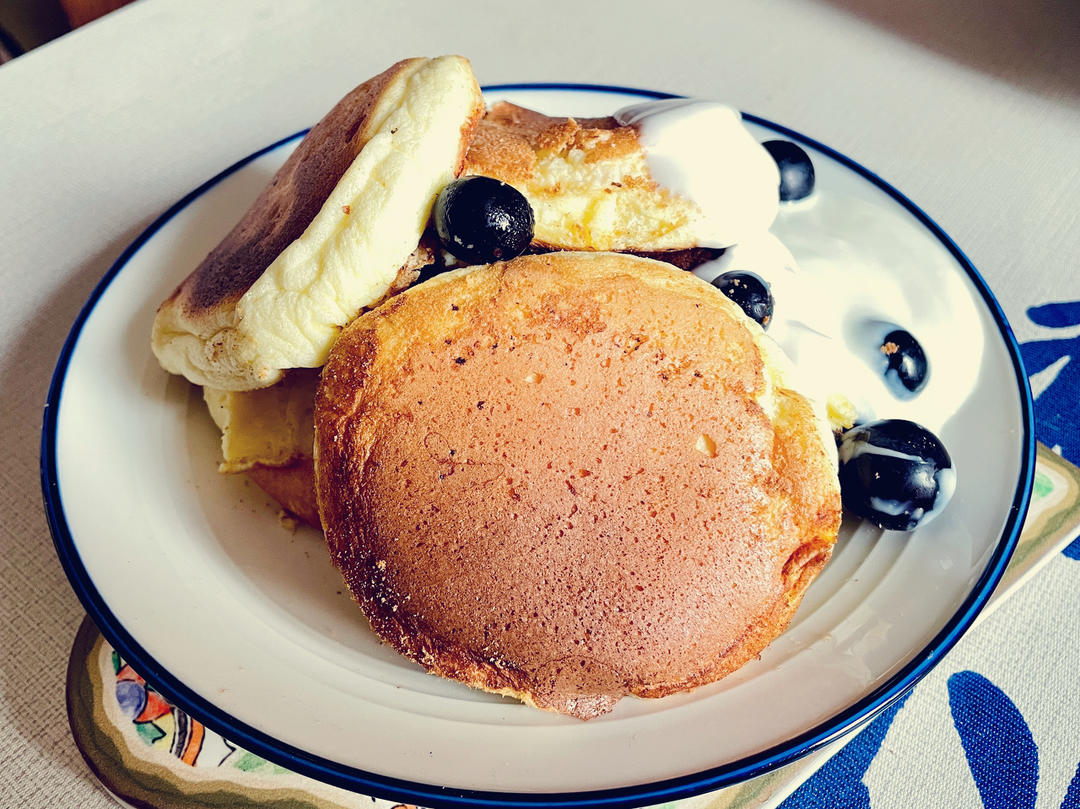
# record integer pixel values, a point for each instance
(834, 264)
(834, 305)
(701, 151)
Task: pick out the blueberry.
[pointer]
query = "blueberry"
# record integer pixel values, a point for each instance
(481, 220)
(895, 473)
(906, 360)
(750, 292)
(796, 170)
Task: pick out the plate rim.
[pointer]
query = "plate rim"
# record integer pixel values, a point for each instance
(435, 796)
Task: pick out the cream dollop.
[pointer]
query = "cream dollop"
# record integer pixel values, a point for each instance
(839, 290)
(700, 150)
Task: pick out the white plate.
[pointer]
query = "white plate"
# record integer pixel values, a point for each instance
(191, 576)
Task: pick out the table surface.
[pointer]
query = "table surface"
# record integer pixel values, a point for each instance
(970, 107)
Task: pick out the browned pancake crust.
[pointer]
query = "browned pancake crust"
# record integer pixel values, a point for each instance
(293, 487)
(509, 137)
(510, 140)
(688, 259)
(552, 478)
(288, 204)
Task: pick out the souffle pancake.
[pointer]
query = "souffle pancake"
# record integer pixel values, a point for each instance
(331, 234)
(570, 478)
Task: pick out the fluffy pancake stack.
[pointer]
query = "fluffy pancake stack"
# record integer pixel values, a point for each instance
(569, 477)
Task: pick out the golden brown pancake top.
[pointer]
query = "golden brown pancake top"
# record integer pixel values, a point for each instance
(509, 138)
(555, 478)
(587, 179)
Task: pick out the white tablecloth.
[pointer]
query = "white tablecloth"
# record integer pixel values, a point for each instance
(972, 108)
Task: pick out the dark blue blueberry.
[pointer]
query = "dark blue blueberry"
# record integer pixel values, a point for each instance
(481, 220)
(894, 473)
(796, 169)
(749, 292)
(906, 360)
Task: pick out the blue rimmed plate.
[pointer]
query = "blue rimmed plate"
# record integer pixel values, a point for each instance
(243, 624)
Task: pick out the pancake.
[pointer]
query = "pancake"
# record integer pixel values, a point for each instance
(267, 427)
(587, 180)
(292, 485)
(570, 478)
(328, 235)
(269, 434)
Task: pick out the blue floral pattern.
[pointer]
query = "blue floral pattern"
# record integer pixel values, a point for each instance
(839, 785)
(1001, 752)
(1072, 797)
(1057, 408)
